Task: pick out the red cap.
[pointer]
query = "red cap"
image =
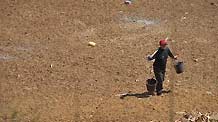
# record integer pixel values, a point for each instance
(163, 42)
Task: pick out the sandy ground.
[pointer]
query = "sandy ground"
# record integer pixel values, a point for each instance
(49, 73)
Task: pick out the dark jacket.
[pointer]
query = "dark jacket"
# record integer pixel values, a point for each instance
(161, 58)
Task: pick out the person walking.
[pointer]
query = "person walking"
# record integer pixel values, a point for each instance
(159, 66)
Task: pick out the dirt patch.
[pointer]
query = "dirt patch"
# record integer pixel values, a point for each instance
(57, 77)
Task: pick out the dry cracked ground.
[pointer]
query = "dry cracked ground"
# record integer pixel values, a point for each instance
(49, 73)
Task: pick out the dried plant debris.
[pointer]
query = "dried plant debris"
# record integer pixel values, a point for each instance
(199, 117)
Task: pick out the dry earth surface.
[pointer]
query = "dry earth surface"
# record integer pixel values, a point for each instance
(49, 73)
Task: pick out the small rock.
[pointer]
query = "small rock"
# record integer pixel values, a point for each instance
(214, 117)
(183, 18)
(177, 84)
(165, 20)
(212, 4)
(93, 44)
(181, 113)
(51, 65)
(186, 13)
(209, 93)
(196, 60)
(27, 88)
(128, 2)
(137, 80)
(119, 95)
(178, 81)
(91, 116)
(186, 91)
(187, 116)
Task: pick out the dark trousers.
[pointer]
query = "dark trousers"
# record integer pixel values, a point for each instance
(159, 75)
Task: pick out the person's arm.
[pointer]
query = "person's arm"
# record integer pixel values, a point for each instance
(171, 54)
(153, 56)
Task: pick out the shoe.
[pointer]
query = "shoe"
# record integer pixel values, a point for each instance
(150, 93)
(159, 93)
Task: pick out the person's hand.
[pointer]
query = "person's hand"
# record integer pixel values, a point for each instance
(175, 57)
(149, 58)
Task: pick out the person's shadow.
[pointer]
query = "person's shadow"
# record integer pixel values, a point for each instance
(142, 95)
(138, 95)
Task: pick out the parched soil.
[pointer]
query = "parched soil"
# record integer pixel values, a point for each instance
(49, 73)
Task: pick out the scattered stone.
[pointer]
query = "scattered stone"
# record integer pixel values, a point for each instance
(128, 2)
(177, 84)
(187, 116)
(196, 60)
(181, 113)
(51, 65)
(212, 4)
(137, 80)
(119, 95)
(214, 117)
(27, 88)
(179, 81)
(197, 117)
(209, 93)
(93, 44)
(183, 18)
(90, 116)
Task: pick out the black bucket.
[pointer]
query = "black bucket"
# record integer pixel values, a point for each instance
(179, 66)
(151, 85)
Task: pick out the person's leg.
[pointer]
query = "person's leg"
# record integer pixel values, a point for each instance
(159, 77)
(162, 77)
(163, 72)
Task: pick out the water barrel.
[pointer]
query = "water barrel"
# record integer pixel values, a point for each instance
(179, 66)
(151, 85)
